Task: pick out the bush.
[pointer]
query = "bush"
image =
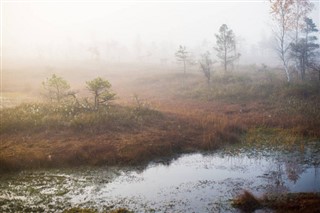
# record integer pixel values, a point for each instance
(56, 89)
(78, 117)
(100, 88)
(247, 202)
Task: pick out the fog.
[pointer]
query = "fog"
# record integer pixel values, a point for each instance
(51, 32)
(98, 99)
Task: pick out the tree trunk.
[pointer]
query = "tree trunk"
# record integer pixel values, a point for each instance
(225, 60)
(184, 67)
(303, 69)
(96, 103)
(287, 71)
(58, 94)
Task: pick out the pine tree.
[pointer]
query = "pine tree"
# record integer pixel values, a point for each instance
(226, 46)
(304, 51)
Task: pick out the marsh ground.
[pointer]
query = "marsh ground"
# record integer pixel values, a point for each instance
(158, 112)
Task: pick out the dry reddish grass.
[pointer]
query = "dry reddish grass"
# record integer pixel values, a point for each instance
(297, 203)
(165, 137)
(190, 128)
(291, 202)
(247, 202)
(188, 125)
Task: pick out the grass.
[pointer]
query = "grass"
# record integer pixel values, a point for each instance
(37, 117)
(290, 202)
(248, 86)
(84, 210)
(79, 210)
(42, 135)
(247, 202)
(178, 118)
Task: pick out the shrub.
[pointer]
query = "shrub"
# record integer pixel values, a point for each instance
(247, 202)
(78, 117)
(56, 88)
(100, 88)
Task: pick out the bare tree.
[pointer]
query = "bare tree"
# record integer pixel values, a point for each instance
(182, 55)
(226, 46)
(301, 8)
(282, 12)
(206, 65)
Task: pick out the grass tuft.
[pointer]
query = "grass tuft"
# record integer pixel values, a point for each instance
(80, 210)
(40, 117)
(189, 116)
(290, 202)
(246, 202)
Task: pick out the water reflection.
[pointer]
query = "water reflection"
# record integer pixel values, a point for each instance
(191, 183)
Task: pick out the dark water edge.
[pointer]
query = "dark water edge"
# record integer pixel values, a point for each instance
(200, 182)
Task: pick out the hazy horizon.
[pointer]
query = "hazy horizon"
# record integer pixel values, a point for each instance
(125, 31)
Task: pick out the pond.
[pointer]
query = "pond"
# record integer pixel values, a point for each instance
(200, 182)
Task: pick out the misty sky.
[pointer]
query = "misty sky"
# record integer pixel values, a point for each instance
(33, 28)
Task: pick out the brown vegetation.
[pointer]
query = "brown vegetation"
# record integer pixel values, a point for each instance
(291, 202)
(167, 118)
(132, 140)
(247, 202)
(84, 210)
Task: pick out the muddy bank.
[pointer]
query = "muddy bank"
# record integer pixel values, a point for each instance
(202, 182)
(113, 136)
(290, 202)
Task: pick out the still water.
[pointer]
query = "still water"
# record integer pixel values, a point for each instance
(201, 182)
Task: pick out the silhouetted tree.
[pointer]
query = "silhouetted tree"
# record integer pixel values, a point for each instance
(206, 65)
(226, 46)
(305, 50)
(300, 10)
(182, 55)
(315, 65)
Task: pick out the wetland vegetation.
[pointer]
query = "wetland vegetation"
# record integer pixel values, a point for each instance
(126, 110)
(69, 155)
